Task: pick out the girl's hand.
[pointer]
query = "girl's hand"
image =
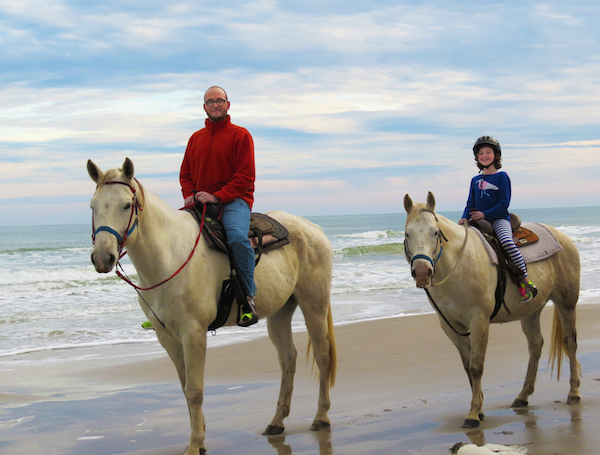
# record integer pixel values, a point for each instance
(463, 221)
(477, 215)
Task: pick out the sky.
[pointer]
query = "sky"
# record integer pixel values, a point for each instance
(351, 105)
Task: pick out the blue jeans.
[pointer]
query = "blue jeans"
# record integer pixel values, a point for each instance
(236, 221)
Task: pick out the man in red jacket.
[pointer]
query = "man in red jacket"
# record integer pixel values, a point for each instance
(218, 168)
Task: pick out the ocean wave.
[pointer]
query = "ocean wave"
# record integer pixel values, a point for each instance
(66, 249)
(367, 287)
(368, 250)
(571, 229)
(60, 278)
(373, 235)
(66, 346)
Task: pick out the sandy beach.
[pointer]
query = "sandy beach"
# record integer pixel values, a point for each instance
(400, 390)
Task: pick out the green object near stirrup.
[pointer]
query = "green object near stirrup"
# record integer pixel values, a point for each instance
(247, 313)
(527, 290)
(147, 325)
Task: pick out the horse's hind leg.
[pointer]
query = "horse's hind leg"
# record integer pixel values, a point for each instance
(322, 338)
(565, 338)
(532, 330)
(316, 307)
(565, 294)
(280, 332)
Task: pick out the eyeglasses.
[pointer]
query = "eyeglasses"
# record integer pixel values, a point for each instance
(211, 103)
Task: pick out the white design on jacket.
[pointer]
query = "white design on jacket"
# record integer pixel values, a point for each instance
(484, 186)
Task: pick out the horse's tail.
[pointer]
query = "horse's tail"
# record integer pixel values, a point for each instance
(558, 348)
(332, 350)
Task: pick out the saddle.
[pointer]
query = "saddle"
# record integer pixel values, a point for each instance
(265, 234)
(506, 267)
(521, 237)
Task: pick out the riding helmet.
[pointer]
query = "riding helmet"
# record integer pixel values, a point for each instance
(490, 142)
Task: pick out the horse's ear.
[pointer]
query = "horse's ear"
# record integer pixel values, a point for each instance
(408, 203)
(430, 201)
(94, 171)
(128, 169)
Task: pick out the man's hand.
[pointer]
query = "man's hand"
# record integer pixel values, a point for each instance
(206, 198)
(190, 200)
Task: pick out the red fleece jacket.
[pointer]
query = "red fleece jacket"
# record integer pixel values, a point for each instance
(219, 159)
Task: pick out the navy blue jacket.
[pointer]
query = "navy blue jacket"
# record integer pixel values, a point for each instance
(490, 194)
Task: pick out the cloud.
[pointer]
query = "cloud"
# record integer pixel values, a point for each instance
(352, 104)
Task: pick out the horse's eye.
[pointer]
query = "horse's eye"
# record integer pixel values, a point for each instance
(127, 207)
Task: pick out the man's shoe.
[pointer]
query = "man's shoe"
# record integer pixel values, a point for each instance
(527, 290)
(147, 325)
(247, 313)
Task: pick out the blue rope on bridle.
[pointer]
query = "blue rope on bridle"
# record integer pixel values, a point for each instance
(131, 227)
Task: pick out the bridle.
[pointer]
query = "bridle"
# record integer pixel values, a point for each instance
(135, 206)
(439, 236)
(433, 262)
(133, 222)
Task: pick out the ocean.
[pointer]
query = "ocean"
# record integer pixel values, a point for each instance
(52, 300)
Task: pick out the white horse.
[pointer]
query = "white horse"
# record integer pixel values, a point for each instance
(160, 239)
(451, 263)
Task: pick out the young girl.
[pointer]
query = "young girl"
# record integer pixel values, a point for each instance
(489, 198)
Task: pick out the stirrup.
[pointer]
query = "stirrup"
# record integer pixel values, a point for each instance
(147, 325)
(247, 315)
(527, 290)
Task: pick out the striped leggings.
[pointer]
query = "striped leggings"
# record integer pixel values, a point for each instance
(503, 231)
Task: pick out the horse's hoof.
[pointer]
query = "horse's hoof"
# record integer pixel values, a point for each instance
(470, 423)
(576, 399)
(273, 430)
(518, 403)
(319, 425)
(201, 451)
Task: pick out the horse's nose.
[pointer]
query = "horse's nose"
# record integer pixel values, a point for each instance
(103, 262)
(422, 273)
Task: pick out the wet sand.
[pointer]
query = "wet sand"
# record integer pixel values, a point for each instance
(400, 390)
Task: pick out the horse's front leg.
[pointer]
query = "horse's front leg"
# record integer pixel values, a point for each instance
(533, 331)
(478, 339)
(194, 355)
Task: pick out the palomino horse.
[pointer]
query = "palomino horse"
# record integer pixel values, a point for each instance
(452, 264)
(159, 240)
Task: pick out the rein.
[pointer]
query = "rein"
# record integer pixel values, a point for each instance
(128, 281)
(433, 262)
(130, 228)
(462, 250)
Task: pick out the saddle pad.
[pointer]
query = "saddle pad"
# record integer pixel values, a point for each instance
(523, 236)
(546, 246)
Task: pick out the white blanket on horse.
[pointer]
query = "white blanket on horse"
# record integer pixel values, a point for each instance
(545, 247)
